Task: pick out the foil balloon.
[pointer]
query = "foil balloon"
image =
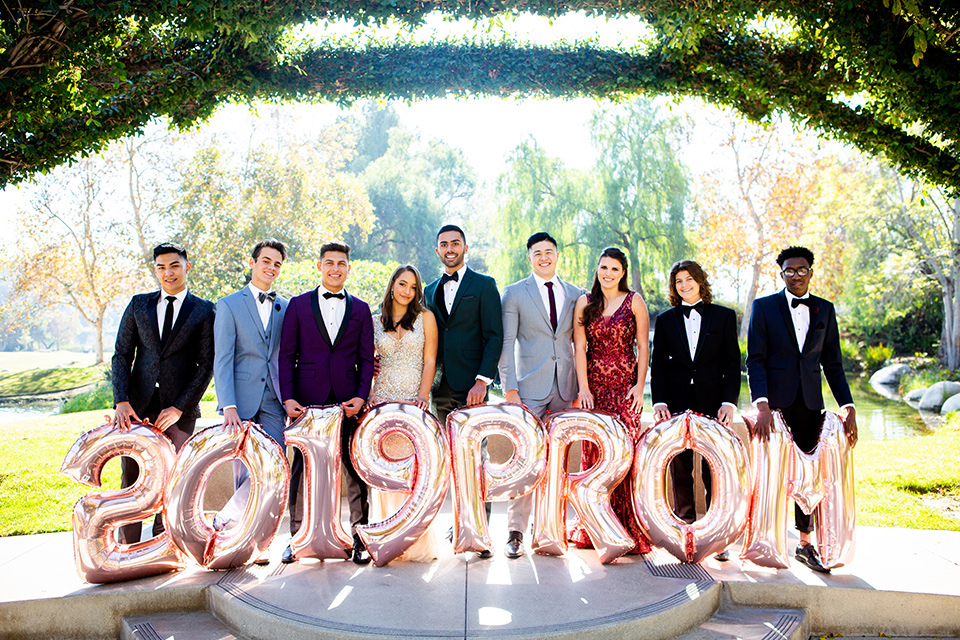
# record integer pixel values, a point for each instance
(477, 480)
(316, 433)
(269, 482)
(96, 516)
(765, 541)
(729, 504)
(805, 485)
(420, 472)
(588, 490)
(836, 513)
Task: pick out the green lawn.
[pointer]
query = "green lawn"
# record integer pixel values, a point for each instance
(900, 483)
(34, 381)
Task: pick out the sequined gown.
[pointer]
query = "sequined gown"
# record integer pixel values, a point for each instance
(611, 372)
(401, 369)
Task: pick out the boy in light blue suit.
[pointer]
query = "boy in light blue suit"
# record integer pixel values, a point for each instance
(246, 336)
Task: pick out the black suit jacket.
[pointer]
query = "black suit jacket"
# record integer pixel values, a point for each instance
(471, 338)
(776, 368)
(182, 366)
(715, 370)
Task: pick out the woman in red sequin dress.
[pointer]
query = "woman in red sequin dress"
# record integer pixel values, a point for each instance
(612, 351)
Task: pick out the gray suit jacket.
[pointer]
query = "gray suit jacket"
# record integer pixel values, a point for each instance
(532, 353)
(246, 361)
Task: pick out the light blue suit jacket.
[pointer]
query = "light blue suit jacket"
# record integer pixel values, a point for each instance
(245, 361)
(532, 352)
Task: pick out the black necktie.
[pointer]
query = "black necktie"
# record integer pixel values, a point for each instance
(688, 308)
(553, 305)
(167, 319)
(264, 296)
(328, 295)
(796, 302)
(447, 277)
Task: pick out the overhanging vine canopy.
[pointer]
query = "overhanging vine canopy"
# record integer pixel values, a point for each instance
(881, 75)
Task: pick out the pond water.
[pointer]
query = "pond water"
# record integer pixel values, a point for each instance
(16, 411)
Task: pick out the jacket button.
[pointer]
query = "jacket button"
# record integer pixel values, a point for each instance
(263, 379)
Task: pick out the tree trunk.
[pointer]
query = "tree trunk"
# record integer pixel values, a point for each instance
(99, 340)
(751, 296)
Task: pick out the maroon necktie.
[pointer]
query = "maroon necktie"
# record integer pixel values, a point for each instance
(553, 305)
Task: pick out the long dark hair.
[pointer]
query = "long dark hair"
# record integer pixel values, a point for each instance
(414, 309)
(699, 276)
(595, 302)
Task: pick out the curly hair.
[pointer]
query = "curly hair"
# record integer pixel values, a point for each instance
(697, 273)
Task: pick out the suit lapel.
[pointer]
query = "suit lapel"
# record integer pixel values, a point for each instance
(189, 302)
(251, 304)
(346, 318)
(462, 289)
(788, 318)
(534, 292)
(318, 317)
(706, 314)
(151, 311)
(814, 319)
(682, 332)
(273, 326)
(430, 294)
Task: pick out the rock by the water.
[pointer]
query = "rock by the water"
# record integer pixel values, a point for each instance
(952, 404)
(937, 394)
(913, 397)
(890, 374)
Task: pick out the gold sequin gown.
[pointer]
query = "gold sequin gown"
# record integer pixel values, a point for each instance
(401, 369)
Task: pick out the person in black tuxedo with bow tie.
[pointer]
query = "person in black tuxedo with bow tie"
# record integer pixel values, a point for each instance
(792, 336)
(162, 362)
(695, 366)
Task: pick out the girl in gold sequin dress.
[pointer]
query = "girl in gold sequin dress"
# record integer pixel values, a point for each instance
(405, 337)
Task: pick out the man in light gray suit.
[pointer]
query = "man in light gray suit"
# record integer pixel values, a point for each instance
(536, 363)
(246, 335)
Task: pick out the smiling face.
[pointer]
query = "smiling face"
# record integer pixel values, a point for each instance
(405, 289)
(687, 288)
(451, 248)
(609, 273)
(543, 258)
(796, 284)
(171, 270)
(334, 267)
(265, 269)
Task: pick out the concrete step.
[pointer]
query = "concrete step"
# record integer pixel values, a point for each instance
(751, 623)
(195, 625)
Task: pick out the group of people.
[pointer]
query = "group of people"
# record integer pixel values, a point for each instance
(440, 346)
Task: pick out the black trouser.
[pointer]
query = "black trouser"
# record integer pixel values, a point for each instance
(179, 432)
(356, 488)
(804, 424)
(681, 472)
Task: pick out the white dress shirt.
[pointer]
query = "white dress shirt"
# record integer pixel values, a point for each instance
(801, 317)
(332, 310)
(264, 307)
(162, 308)
(451, 287)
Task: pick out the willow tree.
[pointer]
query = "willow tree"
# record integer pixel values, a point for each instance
(879, 74)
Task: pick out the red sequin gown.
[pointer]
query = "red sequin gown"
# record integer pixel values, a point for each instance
(611, 372)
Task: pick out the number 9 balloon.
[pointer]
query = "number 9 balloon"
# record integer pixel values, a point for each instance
(96, 516)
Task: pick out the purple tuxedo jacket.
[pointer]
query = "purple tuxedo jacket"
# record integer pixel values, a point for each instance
(313, 363)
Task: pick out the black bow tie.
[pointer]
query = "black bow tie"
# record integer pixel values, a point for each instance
(687, 308)
(328, 295)
(267, 296)
(796, 302)
(447, 277)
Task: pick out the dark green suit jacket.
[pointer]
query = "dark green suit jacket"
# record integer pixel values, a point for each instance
(471, 338)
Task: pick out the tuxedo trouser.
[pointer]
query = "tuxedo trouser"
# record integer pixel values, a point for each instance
(356, 488)
(804, 424)
(519, 509)
(681, 472)
(446, 400)
(272, 418)
(179, 432)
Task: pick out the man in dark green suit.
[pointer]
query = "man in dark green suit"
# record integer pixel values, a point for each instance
(467, 307)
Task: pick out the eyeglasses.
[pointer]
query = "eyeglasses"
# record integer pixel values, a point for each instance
(802, 272)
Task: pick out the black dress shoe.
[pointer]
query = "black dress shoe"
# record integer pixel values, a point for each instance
(723, 556)
(287, 556)
(807, 554)
(514, 548)
(486, 553)
(360, 553)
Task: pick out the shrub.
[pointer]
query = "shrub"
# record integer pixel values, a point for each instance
(875, 356)
(850, 351)
(100, 397)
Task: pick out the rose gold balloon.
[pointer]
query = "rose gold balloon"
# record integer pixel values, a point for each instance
(96, 516)
(589, 490)
(836, 513)
(765, 542)
(269, 483)
(316, 433)
(805, 485)
(476, 480)
(423, 474)
(727, 458)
